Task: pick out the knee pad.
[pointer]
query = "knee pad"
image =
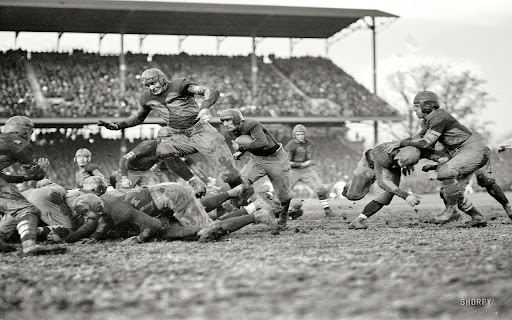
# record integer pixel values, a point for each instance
(444, 172)
(359, 186)
(484, 181)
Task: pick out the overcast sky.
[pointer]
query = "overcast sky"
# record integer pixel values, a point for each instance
(474, 34)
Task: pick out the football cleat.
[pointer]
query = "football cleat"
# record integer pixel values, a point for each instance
(198, 186)
(358, 223)
(448, 215)
(30, 248)
(211, 233)
(265, 216)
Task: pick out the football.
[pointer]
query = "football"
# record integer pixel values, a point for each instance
(244, 139)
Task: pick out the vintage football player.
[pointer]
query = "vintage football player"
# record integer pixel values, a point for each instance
(268, 158)
(86, 169)
(166, 211)
(189, 128)
(17, 213)
(386, 168)
(468, 155)
(300, 151)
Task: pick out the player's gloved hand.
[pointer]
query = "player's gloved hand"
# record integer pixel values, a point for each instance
(407, 170)
(125, 183)
(392, 146)
(429, 167)
(413, 199)
(237, 155)
(131, 241)
(204, 115)
(107, 124)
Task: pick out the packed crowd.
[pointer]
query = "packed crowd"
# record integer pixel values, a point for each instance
(82, 84)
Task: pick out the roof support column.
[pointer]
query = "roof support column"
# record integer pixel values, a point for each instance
(219, 41)
(292, 45)
(374, 53)
(122, 69)
(102, 35)
(180, 42)
(141, 40)
(254, 71)
(59, 35)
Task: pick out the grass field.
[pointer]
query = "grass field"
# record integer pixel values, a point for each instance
(400, 268)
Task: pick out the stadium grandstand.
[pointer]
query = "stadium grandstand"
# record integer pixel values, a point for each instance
(66, 93)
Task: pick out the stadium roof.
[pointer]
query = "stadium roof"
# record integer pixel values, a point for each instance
(176, 18)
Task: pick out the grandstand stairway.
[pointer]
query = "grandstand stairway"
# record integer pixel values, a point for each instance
(36, 87)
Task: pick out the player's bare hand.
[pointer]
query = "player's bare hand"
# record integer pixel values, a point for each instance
(307, 163)
(204, 115)
(392, 146)
(237, 155)
(413, 199)
(107, 124)
(126, 183)
(235, 145)
(43, 163)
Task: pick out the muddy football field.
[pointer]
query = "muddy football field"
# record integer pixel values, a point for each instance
(400, 268)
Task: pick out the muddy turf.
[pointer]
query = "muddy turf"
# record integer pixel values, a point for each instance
(400, 268)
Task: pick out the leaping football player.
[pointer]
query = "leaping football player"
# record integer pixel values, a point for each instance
(188, 125)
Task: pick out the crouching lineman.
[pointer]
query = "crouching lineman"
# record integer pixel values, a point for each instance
(180, 214)
(17, 213)
(468, 155)
(386, 168)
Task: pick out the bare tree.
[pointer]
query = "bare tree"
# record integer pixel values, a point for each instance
(462, 94)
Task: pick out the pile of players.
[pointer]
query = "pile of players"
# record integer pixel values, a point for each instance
(139, 207)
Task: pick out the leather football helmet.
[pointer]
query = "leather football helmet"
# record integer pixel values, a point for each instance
(427, 100)
(20, 125)
(232, 114)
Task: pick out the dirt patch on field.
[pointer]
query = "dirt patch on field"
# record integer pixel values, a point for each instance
(400, 268)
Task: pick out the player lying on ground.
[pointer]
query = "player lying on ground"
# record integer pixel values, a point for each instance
(180, 215)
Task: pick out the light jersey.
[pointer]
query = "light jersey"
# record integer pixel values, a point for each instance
(175, 105)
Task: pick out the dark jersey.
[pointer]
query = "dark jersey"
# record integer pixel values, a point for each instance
(141, 158)
(264, 143)
(14, 149)
(441, 126)
(84, 173)
(175, 105)
(299, 152)
(138, 198)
